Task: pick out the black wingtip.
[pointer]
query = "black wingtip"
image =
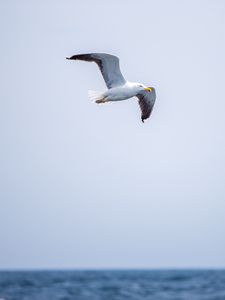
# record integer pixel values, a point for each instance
(142, 120)
(67, 57)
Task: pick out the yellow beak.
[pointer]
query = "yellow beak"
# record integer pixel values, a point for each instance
(148, 89)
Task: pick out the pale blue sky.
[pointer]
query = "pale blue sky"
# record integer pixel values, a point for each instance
(88, 186)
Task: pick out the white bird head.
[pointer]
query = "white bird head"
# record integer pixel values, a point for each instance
(142, 87)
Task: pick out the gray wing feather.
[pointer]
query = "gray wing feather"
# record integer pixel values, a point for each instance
(108, 65)
(146, 102)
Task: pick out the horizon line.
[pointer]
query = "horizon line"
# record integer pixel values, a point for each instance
(83, 269)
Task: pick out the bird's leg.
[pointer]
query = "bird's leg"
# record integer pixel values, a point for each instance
(100, 101)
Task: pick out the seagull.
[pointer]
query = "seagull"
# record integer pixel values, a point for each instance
(118, 88)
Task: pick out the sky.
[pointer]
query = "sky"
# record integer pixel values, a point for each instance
(86, 186)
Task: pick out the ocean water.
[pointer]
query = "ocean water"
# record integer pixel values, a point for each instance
(113, 285)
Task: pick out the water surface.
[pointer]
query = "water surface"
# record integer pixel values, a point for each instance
(113, 285)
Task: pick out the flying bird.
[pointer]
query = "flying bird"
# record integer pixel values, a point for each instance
(118, 88)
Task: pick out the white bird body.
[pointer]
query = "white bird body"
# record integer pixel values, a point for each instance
(124, 92)
(118, 88)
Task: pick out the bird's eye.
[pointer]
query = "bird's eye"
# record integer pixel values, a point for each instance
(140, 85)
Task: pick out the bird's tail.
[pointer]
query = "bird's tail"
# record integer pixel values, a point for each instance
(96, 96)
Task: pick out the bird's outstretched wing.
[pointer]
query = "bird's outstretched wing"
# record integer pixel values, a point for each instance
(108, 65)
(146, 102)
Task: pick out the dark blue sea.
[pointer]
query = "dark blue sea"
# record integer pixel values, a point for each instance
(113, 285)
